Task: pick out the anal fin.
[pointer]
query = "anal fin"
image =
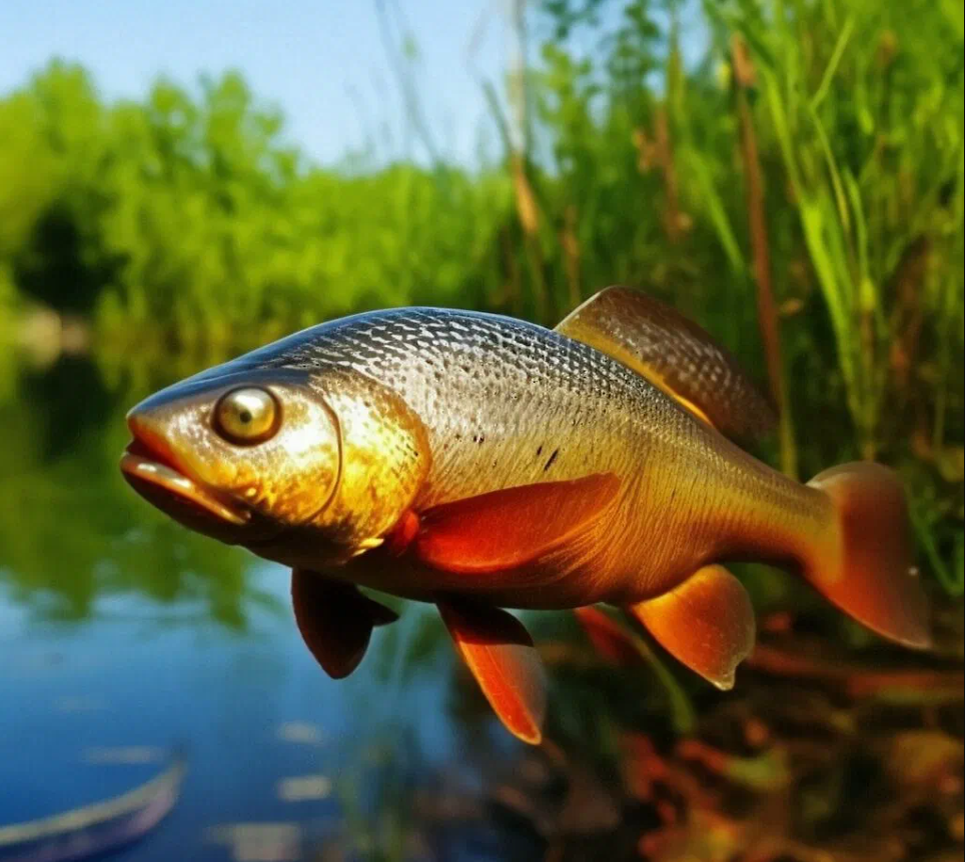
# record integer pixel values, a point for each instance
(707, 623)
(499, 652)
(335, 620)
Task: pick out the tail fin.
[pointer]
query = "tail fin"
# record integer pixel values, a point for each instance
(868, 571)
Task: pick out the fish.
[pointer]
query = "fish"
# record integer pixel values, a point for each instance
(486, 465)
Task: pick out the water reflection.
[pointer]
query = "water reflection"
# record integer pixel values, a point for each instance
(70, 531)
(124, 637)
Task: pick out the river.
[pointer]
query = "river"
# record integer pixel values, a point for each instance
(124, 638)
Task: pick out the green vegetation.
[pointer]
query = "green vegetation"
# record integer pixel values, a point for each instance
(799, 191)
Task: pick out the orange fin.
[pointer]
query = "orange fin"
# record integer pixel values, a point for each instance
(869, 572)
(335, 620)
(502, 658)
(707, 623)
(674, 354)
(401, 535)
(610, 640)
(503, 529)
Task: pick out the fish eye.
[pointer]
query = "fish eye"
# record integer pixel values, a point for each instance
(248, 415)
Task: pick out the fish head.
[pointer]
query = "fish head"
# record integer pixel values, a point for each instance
(302, 467)
(237, 457)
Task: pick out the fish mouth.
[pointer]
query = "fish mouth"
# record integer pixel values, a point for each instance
(150, 466)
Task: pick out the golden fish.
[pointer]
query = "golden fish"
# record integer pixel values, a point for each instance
(480, 463)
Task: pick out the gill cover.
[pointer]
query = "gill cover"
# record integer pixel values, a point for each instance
(385, 459)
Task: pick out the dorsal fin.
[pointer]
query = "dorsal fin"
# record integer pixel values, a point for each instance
(674, 354)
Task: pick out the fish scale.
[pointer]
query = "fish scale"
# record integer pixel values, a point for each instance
(553, 381)
(481, 463)
(492, 391)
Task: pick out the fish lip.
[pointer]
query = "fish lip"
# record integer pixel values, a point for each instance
(147, 463)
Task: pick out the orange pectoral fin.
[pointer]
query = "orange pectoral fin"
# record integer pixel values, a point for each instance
(502, 658)
(706, 623)
(335, 620)
(503, 529)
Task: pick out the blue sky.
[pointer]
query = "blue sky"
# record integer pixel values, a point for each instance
(324, 62)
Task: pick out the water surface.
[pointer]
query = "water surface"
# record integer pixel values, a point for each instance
(124, 638)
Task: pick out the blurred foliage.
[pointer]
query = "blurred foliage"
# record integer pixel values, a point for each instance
(186, 221)
(184, 227)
